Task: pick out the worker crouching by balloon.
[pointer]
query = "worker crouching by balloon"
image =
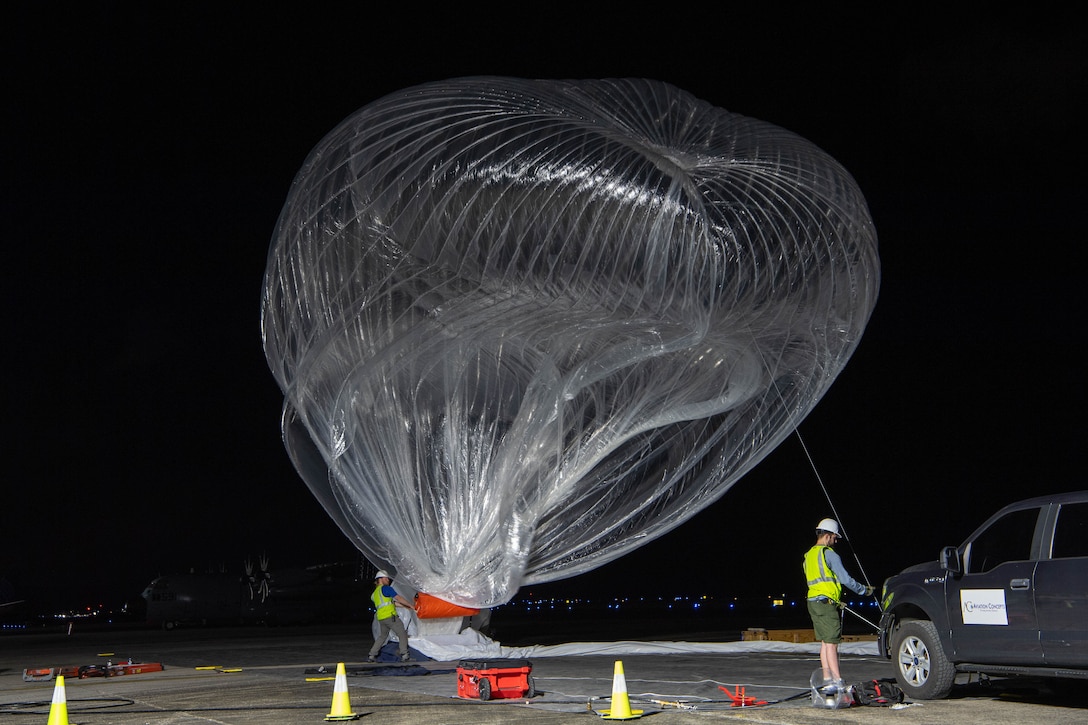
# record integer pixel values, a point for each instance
(826, 578)
(386, 600)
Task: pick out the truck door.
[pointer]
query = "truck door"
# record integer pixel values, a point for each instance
(1061, 589)
(996, 621)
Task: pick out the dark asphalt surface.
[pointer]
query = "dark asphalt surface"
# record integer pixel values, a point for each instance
(268, 676)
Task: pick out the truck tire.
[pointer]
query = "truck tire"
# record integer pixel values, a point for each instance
(921, 667)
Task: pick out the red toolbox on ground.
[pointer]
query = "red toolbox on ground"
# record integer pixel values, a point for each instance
(495, 679)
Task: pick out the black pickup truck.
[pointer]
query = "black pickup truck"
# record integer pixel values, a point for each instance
(1011, 600)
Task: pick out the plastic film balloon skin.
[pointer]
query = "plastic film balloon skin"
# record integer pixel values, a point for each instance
(523, 327)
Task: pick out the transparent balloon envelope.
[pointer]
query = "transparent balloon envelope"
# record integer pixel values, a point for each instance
(523, 327)
(829, 694)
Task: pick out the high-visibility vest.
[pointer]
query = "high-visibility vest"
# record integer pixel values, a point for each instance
(383, 604)
(822, 582)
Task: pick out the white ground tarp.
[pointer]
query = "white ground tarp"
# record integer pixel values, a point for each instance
(470, 644)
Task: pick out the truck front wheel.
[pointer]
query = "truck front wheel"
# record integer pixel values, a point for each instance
(921, 667)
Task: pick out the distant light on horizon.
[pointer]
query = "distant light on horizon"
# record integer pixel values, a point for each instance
(614, 604)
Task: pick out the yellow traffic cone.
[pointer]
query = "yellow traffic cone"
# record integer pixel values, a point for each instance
(341, 702)
(621, 704)
(58, 711)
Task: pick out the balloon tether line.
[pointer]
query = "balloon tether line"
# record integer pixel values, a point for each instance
(827, 495)
(816, 472)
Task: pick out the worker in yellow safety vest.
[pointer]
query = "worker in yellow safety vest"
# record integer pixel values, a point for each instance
(386, 600)
(826, 577)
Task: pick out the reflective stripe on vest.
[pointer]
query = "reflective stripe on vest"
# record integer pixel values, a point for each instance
(383, 604)
(822, 582)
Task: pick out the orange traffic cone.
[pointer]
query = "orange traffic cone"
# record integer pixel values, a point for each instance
(341, 703)
(621, 704)
(58, 711)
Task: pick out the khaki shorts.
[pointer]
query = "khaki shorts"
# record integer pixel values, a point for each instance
(826, 620)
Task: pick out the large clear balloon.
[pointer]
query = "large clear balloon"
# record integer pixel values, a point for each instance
(523, 327)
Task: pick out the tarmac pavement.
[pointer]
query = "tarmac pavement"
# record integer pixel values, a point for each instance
(253, 675)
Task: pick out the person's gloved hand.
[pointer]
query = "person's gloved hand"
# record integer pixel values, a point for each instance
(869, 591)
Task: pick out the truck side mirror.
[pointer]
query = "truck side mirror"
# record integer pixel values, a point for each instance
(950, 560)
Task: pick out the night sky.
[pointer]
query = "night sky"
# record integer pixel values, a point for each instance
(147, 156)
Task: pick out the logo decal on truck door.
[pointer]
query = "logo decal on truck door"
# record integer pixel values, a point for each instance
(983, 606)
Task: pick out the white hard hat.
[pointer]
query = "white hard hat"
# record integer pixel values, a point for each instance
(829, 525)
(382, 573)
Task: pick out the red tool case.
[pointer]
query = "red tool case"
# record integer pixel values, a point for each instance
(495, 679)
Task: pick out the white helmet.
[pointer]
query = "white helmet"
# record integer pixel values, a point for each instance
(382, 573)
(830, 525)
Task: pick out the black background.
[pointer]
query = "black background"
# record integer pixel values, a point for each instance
(149, 149)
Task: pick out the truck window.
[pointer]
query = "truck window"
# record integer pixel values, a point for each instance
(1007, 539)
(1071, 534)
